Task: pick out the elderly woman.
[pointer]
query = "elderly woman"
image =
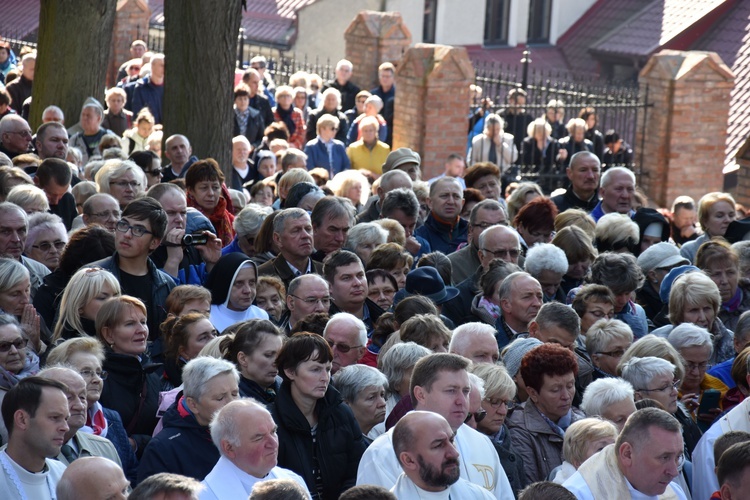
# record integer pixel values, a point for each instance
(535, 222)
(583, 439)
(616, 233)
(493, 145)
(655, 262)
(32, 199)
(86, 355)
(319, 438)
(549, 373)
(576, 140)
(15, 284)
(580, 254)
(262, 193)
(246, 226)
(499, 392)
(715, 212)
(365, 237)
(16, 360)
(232, 282)
(11, 177)
(206, 192)
(539, 148)
(124, 180)
(392, 257)
(286, 113)
(372, 109)
(593, 303)
(265, 162)
(133, 385)
(352, 185)
(606, 343)
(325, 151)
(362, 387)
(84, 295)
(330, 105)
(721, 263)
(695, 299)
(181, 446)
(621, 274)
(610, 398)
(253, 349)
(523, 194)
(695, 347)
(184, 337)
(368, 153)
(547, 264)
(46, 239)
(485, 178)
(270, 295)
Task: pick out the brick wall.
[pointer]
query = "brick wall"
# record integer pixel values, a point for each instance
(432, 103)
(131, 22)
(686, 129)
(373, 38)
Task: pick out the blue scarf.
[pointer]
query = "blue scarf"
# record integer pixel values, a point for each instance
(559, 427)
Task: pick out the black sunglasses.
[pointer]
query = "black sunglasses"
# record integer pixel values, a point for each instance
(478, 416)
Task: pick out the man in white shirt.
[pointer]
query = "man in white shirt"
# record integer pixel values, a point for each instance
(423, 443)
(440, 384)
(647, 456)
(35, 412)
(245, 435)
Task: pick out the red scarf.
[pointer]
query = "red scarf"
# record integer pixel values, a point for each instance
(221, 217)
(96, 421)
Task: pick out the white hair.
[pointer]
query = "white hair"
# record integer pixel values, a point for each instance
(199, 371)
(603, 393)
(224, 425)
(690, 335)
(606, 176)
(350, 319)
(466, 333)
(477, 383)
(351, 381)
(640, 371)
(545, 256)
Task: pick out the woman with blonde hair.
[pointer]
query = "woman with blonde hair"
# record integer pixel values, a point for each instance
(580, 254)
(524, 193)
(31, 198)
(83, 297)
(286, 113)
(576, 217)
(715, 213)
(124, 180)
(352, 185)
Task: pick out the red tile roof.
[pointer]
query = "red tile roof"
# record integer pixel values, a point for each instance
(655, 27)
(730, 38)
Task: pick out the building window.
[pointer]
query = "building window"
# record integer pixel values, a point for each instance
(540, 12)
(496, 22)
(430, 21)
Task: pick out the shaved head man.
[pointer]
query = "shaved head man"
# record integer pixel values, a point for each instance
(93, 478)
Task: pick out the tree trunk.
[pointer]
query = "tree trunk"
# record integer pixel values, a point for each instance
(200, 57)
(75, 37)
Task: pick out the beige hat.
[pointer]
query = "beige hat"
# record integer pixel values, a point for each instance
(399, 157)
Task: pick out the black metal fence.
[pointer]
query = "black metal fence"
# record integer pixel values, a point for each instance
(17, 40)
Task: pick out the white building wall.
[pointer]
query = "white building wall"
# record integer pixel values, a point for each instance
(460, 22)
(412, 11)
(564, 14)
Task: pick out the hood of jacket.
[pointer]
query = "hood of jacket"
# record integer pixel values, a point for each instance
(221, 278)
(178, 418)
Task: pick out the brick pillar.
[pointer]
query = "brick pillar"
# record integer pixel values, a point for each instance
(131, 23)
(432, 103)
(373, 38)
(686, 129)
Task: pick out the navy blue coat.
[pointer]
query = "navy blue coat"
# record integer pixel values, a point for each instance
(317, 156)
(148, 95)
(442, 237)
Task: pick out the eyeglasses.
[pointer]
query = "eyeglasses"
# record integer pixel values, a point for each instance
(496, 403)
(342, 348)
(669, 387)
(690, 366)
(23, 133)
(114, 214)
(156, 172)
(311, 301)
(125, 184)
(485, 225)
(89, 374)
(137, 231)
(499, 254)
(478, 416)
(18, 344)
(46, 246)
(613, 354)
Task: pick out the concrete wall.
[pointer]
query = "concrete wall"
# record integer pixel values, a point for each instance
(322, 26)
(519, 23)
(460, 22)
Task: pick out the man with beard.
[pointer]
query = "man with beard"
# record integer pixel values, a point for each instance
(423, 443)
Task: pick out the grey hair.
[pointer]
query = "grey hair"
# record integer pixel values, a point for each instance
(545, 257)
(507, 285)
(742, 329)
(9, 319)
(288, 213)
(605, 330)
(6, 206)
(12, 273)
(249, 220)
(351, 381)
(603, 393)
(38, 222)
(400, 199)
(560, 315)
(485, 234)
(400, 358)
(224, 426)
(640, 371)
(615, 230)
(364, 233)
(690, 335)
(199, 371)
(617, 271)
(583, 155)
(344, 317)
(464, 334)
(388, 179)
(331, 207)
(299, 280)
(27, 194)
(114, 169)
(444, 180)
(489, 205)
(478, 383)
(493, 119)
(606, 176)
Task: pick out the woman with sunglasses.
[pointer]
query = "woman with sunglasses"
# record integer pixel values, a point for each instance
(150, 164)
(16, 360)
(606, 343)
(15, 289)
(538, 429)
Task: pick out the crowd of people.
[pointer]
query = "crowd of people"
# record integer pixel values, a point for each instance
(324, 324)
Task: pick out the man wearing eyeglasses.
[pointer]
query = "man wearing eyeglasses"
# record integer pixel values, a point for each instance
(138, 233)
(347, 336)
(54, 176)
(102, 209)
(306, 294)
(643, 463)
(14, 225)
(15, 136)
(485, 214)
(440, 384)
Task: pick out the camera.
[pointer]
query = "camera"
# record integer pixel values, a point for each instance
(194, 239)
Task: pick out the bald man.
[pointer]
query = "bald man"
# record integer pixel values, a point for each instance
(93, 478)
